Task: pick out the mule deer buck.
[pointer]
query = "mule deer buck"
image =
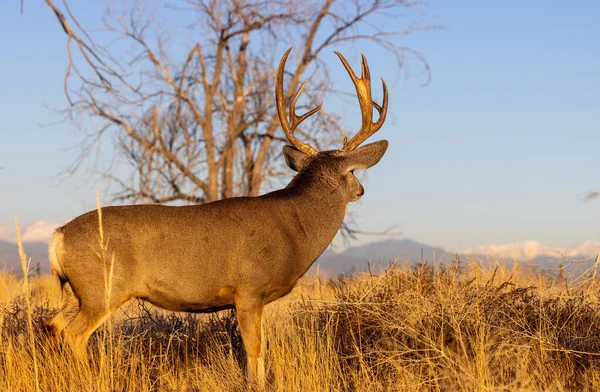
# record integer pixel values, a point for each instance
(241, 253)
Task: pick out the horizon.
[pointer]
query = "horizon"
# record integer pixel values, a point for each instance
(500, 146)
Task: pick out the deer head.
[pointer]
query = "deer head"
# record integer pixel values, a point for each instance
(335, 168)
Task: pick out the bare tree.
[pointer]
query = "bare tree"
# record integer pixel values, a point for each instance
(198, 123)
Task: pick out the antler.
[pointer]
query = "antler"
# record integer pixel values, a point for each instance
(363, 90)
(290, 127)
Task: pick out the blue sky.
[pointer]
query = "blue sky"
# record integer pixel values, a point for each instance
(500, 146)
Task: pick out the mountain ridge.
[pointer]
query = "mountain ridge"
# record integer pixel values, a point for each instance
(379, 254)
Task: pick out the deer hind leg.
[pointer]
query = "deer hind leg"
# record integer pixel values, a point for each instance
(90, 316)
(55, 326)
(250, 319)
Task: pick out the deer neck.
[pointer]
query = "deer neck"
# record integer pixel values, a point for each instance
(318, 208)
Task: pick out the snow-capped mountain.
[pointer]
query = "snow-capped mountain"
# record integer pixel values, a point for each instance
(531, 250)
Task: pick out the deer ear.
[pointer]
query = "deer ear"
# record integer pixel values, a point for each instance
(366, 156)
(295, 159)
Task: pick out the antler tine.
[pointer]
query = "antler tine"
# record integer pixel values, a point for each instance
(290, 127)
(363, 91)
(382, 110)
(294, 119)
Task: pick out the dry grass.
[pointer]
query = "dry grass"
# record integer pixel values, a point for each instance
(410, 328)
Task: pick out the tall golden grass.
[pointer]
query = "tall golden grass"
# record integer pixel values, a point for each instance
(457, 327)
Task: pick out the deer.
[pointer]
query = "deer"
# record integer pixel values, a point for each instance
(239, 253)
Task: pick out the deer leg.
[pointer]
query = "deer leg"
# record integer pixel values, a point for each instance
(251, 326)
(56, 324)
(87, 320)
(81, 328)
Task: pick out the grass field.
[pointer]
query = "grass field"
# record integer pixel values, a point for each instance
(459, 327)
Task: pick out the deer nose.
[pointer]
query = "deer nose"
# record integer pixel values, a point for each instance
(361, 191)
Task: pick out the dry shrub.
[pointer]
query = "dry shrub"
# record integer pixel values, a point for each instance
(444, 328)
(146, 349)
(426, 327)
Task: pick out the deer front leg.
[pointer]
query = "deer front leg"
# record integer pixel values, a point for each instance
(249, 314)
